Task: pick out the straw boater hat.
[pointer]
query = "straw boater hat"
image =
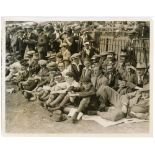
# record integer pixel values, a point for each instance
(141, 66)
(123, 54)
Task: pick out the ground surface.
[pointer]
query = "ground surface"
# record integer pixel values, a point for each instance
(24, 117)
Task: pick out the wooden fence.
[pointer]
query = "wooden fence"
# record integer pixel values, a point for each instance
(140, 46)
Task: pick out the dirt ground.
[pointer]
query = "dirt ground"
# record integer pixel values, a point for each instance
(24, 117)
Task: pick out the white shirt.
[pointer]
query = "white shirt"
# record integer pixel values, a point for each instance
(64, 86)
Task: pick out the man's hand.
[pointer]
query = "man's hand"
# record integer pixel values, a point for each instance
(124, 109)
(72, 94)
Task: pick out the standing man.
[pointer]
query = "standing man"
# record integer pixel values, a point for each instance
(130, 48)
(42, 44)
(30, 39)
(21, 46)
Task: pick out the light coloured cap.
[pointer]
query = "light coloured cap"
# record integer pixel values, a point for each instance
(42, 62)
(63, 45)
(30, 52)
(36, 56)
(77, 28)
(109, 56)
(86, 43)
(48, 54)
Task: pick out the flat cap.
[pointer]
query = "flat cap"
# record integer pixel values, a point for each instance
(42, 62)
(51, 65)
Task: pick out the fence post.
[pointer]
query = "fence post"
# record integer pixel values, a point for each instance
(107, 40)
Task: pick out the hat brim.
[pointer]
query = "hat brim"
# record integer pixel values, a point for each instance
(140, 67)
(144, 89)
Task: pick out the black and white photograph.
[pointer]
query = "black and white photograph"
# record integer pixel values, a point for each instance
(77, 77)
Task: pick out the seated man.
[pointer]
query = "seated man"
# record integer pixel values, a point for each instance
(28, 86)
(137, 103)
(86, 71)
(59, 91)
(112, 100)
(113, 76)
(22, 74)
(128, 82)
(87, 96)
(44, 92)
(134, 104)
(14, 69)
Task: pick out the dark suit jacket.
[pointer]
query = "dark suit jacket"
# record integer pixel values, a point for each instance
(88, 75)
(21, 46)
(32, 41)
(113, 82)
(77, 74)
